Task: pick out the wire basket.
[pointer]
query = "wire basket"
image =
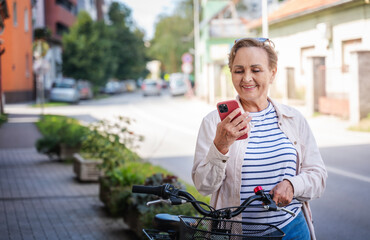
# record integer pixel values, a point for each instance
(153, 234)
(215, 229)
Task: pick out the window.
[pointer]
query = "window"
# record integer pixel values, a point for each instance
(67, 5)
(347, 47)
(26, 25)
(61, 29)
(27, 66)
(15, 17)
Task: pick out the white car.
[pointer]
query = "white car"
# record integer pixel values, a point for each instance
(178, 84)
(65, 91)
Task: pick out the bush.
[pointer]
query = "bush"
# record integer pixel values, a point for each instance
(3, 118)
(120, 181)
(57, 130)
(111, 141)
(136, 203)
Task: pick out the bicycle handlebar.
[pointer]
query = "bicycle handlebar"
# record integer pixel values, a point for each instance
(167, 191)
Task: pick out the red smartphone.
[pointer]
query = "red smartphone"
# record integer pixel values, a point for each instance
(225, 108)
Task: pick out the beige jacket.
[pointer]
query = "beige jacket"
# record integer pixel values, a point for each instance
(220, 175)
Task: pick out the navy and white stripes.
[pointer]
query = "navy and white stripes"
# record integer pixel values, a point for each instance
(269, 158)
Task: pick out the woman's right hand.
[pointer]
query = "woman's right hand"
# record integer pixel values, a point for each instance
(231, 129)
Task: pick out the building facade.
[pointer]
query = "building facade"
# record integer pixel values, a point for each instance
(316, 42)
(319, 43)
(16, 62)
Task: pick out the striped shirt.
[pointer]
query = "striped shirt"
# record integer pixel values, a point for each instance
(269, 157)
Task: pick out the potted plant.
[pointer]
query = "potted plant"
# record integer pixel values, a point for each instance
(62, 136)
(72, 134)
(86, 167)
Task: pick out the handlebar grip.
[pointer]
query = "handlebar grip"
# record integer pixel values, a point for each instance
(158, 190)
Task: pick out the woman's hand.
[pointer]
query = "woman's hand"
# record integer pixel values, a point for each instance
(231, 129)
(282, 193)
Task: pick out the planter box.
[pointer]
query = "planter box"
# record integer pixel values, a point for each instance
(68, 152)
(85, 169)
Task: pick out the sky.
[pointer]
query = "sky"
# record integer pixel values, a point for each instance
(145, 12)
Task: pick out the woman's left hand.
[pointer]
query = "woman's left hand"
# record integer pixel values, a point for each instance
(282, 193)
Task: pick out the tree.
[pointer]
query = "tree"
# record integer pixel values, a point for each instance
(127, 43)
(96, 51)
(86, 51)
(171, 38)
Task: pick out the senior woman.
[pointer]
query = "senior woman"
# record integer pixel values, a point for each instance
(279, 154)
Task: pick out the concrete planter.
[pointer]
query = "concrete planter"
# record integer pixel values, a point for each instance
(67, 152)
(86, 170)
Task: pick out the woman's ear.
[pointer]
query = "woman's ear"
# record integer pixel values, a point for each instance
(273, 74)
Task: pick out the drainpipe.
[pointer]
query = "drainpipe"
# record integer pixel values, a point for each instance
(2, 50)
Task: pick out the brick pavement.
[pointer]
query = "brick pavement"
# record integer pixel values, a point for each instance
(41, 199)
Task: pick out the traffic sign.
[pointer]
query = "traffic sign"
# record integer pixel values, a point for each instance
(187, 67)
(187, 58)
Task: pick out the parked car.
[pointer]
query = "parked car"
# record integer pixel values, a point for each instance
(130, 85)
(65, 91)
(85, 89)
(151, 87)
(178, 84)
(114, 87)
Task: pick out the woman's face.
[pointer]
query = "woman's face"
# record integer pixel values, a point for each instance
(251, 75)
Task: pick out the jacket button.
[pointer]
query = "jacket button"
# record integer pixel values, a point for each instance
(295, 142)
(280, 123)
(223, 161)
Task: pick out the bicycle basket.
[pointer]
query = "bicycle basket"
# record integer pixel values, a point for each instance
(216, 229)
(153, 234)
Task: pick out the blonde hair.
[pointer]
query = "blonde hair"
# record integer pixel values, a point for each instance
(267, 45)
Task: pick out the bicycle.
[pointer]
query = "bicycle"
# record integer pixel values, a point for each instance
(214, 225)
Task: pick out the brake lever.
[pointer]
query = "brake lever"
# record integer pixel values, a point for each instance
(168, 201)
(171, 201)
(275, 208)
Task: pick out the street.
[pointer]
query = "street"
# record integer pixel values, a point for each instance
(170, 126)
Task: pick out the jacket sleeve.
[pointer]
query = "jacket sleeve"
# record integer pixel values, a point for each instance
(311, 180)
(209, 165)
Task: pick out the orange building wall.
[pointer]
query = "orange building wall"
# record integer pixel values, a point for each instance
(16, 62)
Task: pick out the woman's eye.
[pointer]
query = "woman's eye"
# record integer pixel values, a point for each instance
(238, 71)
(256, 70)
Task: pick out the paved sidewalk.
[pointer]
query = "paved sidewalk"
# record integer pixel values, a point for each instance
(41, 199)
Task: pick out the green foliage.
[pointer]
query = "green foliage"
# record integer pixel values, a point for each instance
(117, 184)
(58, 130)
(86, 50)
(3, 118)
(136, 203)
(113, 142)
(97, 52)
(171, 38)
(127, 43)
(49, 145)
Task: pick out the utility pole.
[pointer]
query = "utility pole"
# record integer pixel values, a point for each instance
(265, 25)
(2, 50)
(196, 40)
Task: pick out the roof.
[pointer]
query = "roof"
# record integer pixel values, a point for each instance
(295, 8)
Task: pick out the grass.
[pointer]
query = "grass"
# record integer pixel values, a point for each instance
(363, 126)
(3, 118)
(51, 104)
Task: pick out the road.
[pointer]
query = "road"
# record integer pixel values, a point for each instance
(170, 126)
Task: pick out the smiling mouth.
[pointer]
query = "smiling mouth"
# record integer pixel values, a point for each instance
(249, 87)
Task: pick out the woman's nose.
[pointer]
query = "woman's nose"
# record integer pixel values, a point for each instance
(247, 77)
